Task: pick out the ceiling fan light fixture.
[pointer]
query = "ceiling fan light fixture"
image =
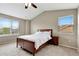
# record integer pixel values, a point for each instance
(27, 5)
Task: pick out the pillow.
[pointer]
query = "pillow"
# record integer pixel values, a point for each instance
(37, 33)
(46, 31)
(46, 34)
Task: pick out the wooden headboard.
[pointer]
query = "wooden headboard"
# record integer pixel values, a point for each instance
(42, 30)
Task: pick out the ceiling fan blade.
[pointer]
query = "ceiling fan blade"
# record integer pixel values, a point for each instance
(33, 5)
(26, 7)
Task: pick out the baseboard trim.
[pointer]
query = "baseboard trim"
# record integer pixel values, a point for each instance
(68, 46)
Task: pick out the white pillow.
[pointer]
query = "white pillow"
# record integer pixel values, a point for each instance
(37, 33)
(46, 34)
(43, 34)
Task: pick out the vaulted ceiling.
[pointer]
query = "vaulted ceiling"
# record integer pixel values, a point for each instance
(18, 9)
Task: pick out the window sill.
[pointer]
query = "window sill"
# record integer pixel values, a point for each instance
(9, 35)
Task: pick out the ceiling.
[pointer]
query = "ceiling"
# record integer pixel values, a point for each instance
(49, 6)
(57, 6)
(18, 9)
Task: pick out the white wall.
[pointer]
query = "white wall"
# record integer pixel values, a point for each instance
(78, 30)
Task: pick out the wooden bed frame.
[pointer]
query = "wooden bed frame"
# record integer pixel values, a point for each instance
(29, 45)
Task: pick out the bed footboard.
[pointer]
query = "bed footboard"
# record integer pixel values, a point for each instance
(26, 45)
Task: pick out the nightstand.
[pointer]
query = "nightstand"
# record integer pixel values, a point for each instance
(54, 40)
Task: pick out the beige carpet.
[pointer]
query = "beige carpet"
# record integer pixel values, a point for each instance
(50, 50)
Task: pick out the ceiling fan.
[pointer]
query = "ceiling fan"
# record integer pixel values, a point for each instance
(27, 5)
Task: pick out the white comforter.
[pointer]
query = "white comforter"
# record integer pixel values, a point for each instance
(39, 38)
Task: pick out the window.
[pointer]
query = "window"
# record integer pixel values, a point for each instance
(65, 24)
(15, 26)
(8, 26)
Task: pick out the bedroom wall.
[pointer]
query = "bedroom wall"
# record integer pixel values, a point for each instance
(49, 19)
(23, 29)
(78, 30)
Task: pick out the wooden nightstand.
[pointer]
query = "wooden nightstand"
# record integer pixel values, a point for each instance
(54, 40)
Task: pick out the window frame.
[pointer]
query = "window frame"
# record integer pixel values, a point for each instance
(72, 21)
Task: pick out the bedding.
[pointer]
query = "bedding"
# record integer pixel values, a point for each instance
(39, 38)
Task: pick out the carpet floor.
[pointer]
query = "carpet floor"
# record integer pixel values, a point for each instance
(50, 50)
